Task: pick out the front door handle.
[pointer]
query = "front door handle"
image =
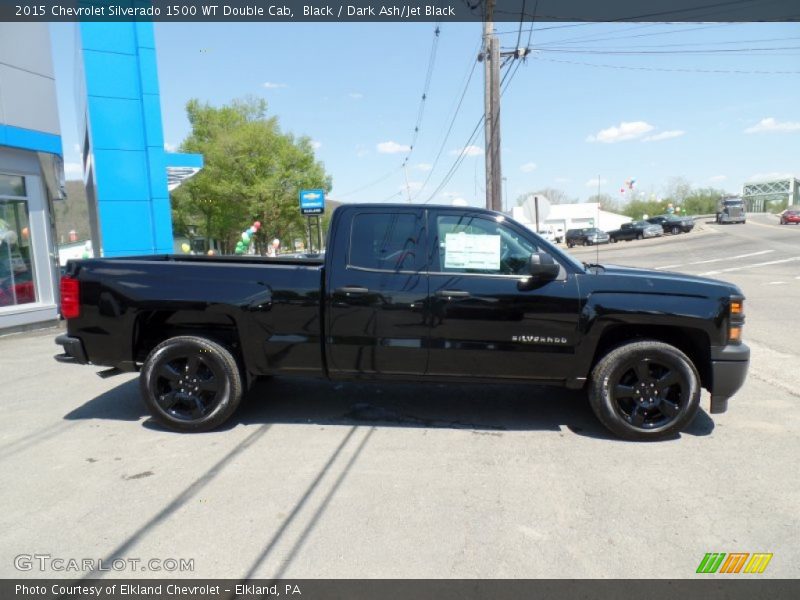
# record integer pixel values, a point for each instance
(452, 294)
(351, 290)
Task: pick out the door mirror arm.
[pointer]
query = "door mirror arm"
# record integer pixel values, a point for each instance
(541, 269)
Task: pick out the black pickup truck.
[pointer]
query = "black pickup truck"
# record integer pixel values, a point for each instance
(635, 230)
(415, 293)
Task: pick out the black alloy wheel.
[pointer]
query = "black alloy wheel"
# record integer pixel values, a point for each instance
(191, 383)
(645, 390)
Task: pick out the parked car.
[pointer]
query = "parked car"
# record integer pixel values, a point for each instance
(587, 236)
(673, 224)
(790, 215)
(731, 210)
(439, 294)
(635, 230)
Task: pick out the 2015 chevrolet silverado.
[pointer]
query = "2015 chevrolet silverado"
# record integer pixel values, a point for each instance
(420, 293)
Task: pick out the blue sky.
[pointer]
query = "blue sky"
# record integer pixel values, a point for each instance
(355, 90)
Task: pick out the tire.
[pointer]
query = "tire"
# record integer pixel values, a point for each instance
(634, 370)
(570, 244)
(639, 236)
(190, 384)
(675, 230)
(613, 240)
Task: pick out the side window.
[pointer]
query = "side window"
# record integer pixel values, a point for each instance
(387, 241)
(473, 244)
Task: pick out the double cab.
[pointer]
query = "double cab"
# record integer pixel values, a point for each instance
(412, 293)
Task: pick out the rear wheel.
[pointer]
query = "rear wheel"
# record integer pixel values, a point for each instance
(645, 390)
(190, 383)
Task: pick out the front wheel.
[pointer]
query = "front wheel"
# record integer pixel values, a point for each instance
(645, 390)
(676, 230)
(190, 383)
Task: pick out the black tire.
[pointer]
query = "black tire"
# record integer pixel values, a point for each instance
(639, 236)
(645, 390)
(675, 230)
(570, 244)
(191, 384)
(613, 240)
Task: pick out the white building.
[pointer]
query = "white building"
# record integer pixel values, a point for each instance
(561, 217)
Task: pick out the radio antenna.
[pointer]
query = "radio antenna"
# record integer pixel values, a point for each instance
(597, 224)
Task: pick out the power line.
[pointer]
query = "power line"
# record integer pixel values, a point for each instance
(372, 183)
(660, 14)
(425, 90)
(507, 78)
(667, 52)
(417, 126)
(449, 128)
(669, 70)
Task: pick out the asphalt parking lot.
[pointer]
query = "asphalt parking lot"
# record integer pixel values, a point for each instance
(315, 479)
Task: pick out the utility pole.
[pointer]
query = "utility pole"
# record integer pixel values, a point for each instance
(491, 100)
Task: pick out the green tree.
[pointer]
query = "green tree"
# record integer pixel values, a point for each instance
(607, 202)
(703, 201)
(252, 171)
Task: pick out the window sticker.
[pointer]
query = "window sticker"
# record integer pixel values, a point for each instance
(469, 251)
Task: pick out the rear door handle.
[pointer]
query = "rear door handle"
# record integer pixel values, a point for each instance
(352, 290)
(452, 294)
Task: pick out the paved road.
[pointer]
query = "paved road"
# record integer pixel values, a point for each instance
(314, 479)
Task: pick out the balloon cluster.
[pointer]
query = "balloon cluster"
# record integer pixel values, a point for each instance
(247, 237)
(629, 184)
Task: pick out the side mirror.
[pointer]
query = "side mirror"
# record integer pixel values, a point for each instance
(542, 268)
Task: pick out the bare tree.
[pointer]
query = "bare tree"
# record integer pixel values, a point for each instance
(553, 195)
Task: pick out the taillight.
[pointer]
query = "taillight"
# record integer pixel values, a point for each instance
(70, 298)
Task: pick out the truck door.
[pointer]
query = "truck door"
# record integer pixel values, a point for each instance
(483, 323)
(376, 294)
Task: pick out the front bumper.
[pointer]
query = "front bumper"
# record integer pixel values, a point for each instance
(73, 350)
(729, 366)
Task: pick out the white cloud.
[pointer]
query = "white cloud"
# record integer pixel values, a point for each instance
(459, 201)
(170, 147)
(392, 148)
(717, 178)
(73, 170)
(594, 182)
(356, 95)
(423, 166)
(621, 133)
(664, 135)
(528, 167)
(271, 85)
(769, 176)
(770, 125)
(361, 150)
(316, 145)
(467, 151)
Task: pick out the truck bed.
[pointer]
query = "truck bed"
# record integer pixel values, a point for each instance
(130, 304)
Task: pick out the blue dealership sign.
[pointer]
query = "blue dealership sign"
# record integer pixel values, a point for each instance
(312, 202)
